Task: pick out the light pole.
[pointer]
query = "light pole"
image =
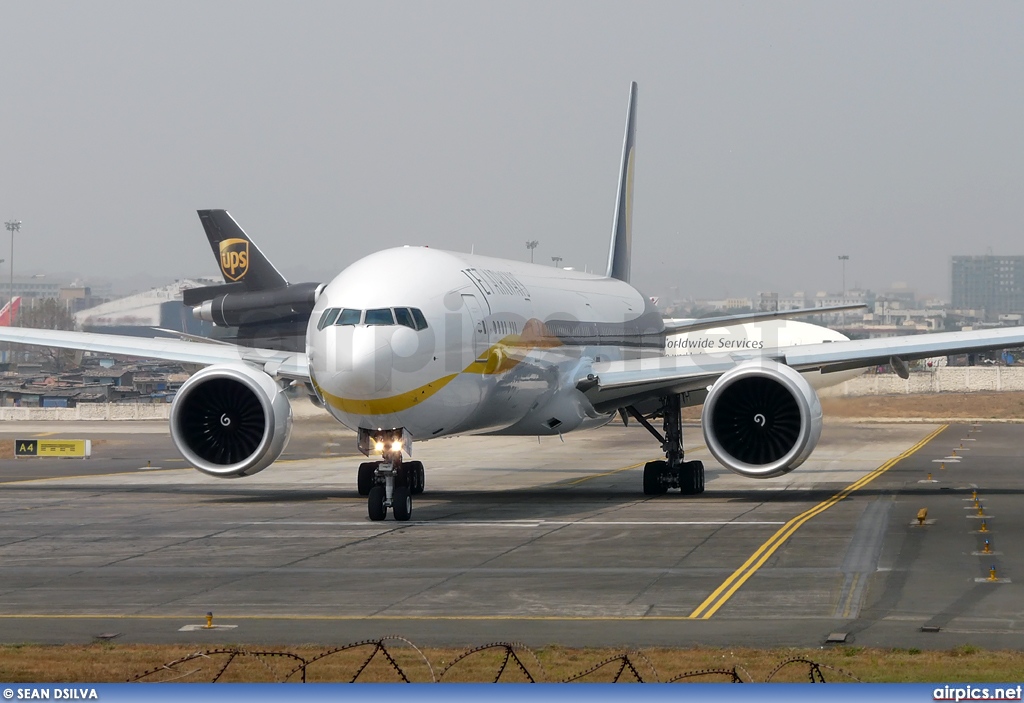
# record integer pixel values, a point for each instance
(12, 227)
(531, 245)
(557, 260)
(843, 258)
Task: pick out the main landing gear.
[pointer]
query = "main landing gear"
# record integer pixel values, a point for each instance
(389, 483)
(673, 472)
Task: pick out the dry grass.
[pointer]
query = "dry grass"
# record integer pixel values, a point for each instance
(969, 406)
(111, 663)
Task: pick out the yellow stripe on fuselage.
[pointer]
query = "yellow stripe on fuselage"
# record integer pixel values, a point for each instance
(385, 406)
(495, 361)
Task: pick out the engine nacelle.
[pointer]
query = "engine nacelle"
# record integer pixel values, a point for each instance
(230, 421)
(761, 419)
(258, 307)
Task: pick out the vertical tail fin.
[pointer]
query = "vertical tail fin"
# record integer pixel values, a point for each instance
(239, 258)
(9, 313)
(622, 225)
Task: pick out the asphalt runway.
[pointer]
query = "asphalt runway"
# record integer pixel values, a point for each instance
(540, 542)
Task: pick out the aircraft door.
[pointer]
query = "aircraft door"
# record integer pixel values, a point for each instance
(477, 318)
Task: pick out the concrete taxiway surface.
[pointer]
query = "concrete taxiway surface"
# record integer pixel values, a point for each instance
(515, 539)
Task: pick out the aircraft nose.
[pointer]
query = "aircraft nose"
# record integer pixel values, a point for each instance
(367, 368)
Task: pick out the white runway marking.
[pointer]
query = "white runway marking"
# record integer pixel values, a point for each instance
(523, 523)
(201, 628)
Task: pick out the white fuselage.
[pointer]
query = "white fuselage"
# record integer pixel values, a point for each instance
(503, 345)
(762, 335)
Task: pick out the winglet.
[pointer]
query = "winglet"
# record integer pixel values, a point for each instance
(240, 259)
(622, 227)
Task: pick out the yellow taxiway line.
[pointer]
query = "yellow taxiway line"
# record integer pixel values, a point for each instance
(723, 593)
(704, 611)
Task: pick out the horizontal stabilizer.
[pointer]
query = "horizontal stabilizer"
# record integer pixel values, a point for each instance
(707, 323)
(194, 296)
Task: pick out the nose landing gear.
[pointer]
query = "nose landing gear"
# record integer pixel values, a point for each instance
(389, 483)
(389, 491)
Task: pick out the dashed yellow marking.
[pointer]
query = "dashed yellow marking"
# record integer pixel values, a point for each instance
(576, 482)
(848, 605)
(723, 593)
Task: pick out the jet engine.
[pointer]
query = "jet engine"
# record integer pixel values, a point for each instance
(230, 421)
(761, 419)
(255, 307)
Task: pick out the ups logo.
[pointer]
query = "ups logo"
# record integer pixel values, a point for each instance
(234, 258)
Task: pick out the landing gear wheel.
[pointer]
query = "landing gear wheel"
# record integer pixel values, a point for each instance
(375, 505)
(691, 478)
(365, 479)
(416, 477)
(401, 503)
(659, 476)
(653, 473)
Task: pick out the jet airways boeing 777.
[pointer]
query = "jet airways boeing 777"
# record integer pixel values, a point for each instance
(461, 344)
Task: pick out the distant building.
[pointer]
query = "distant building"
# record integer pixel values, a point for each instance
(767, 301)
(725, 304)
(159, 307)
(994, 284)
(78, 298)
(30, 287)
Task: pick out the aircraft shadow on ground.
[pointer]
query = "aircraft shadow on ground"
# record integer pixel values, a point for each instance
(554, 498)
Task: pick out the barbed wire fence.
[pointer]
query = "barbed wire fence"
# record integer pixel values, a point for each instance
(511, 661)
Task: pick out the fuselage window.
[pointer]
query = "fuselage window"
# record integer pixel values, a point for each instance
(380, 316)
(350, 317)
(421, 322)
(404, 317)
(328, 318)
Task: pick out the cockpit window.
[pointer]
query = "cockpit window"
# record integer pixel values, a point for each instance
(350, 317)
(407, 317)
(421, 322)
(404, 317)
(328, 318)
(380, 316)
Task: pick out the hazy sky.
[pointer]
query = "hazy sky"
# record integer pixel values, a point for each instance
(772, 136)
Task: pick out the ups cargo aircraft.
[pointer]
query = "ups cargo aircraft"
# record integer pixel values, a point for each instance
(468, 344)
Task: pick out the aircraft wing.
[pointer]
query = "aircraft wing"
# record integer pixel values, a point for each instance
(616, 384)
(678, 325)
(280, 364)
